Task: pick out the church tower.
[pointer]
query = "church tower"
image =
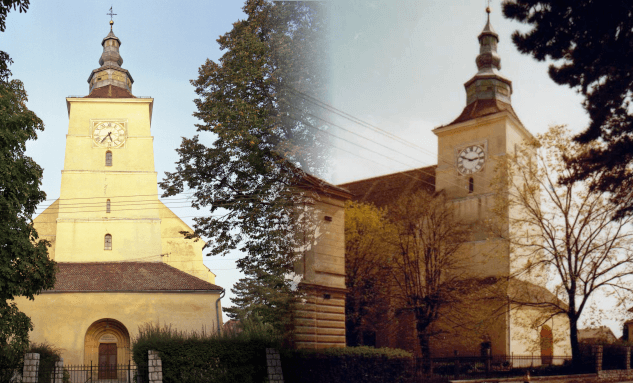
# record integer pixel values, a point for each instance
(122, 258)
(469, 149)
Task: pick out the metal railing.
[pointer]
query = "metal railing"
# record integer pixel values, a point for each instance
(472, 367)
(112, 373)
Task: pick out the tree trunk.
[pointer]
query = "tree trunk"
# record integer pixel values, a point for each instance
(573, 337)
(423, 338)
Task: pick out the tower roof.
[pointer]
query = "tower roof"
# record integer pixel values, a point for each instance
(110, 74)
(488, 91)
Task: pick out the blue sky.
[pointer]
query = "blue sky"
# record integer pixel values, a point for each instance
(398, 65)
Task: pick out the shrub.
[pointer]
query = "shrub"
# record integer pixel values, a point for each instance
(49, 354)
(349, 365)
(207, 357)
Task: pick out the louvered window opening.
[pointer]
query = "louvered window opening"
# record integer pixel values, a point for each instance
(108, 242)
(108, 158)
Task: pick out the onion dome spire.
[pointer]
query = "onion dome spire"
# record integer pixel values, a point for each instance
(110, 72)
(488, 83)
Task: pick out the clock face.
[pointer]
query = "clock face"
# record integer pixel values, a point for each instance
(471, 159)
(109, 134)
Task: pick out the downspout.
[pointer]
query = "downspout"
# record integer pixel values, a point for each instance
(217, 309)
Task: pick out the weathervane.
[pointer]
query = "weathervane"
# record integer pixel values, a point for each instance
(114, 14)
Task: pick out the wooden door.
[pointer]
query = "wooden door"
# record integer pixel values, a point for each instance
(107, 360)
(547, 345)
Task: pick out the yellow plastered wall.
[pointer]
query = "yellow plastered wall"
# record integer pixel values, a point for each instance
(130, 184)
(498, 134)
(76, 312)
(183, 254)
(526, 324)
(46, 226)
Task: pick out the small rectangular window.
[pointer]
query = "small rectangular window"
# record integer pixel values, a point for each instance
(108, 242)
(107, 206)
(108, 158)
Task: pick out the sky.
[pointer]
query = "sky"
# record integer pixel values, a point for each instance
(399, 66)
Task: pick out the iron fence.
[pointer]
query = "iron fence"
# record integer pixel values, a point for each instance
(473, 367)
(93, 373)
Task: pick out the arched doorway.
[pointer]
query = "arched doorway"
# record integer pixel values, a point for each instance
(547, 345)
(106, 345)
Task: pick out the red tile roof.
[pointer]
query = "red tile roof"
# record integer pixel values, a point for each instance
(126, 276)
(385, 190)
(481, 108)
(110, 92)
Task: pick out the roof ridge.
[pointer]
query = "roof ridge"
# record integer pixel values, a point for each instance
(389, 175)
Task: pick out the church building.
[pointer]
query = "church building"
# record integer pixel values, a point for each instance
(469, 148)
(122, 258)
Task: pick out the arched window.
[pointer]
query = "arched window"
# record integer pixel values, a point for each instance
(471, 185)
(108, 242)
(107, 206)
(108, 158)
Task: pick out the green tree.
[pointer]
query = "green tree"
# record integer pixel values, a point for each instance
(562, 235)
(261, 294)
(265, 137)
(25, 269)
(590, 42)
(367, 254)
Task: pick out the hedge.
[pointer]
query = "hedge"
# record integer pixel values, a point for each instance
(347, 365)
(205, 357)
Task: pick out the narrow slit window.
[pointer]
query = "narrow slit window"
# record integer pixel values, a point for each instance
(107, 206)
(471, 185)
(108, 158)
(108, 242)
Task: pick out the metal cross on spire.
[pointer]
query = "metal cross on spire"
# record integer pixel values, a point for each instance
(114, 14)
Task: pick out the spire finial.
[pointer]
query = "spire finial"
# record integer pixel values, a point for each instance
(111, 21)
(488, 11)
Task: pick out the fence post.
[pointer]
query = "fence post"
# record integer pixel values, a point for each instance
(273, 361)
(456, 364)
(597, 354)
(488, 361)
(58, 373)
(628, 358)
(155, 367)
(31, 367)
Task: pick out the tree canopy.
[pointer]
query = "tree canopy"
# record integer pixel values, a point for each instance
(25, 269)
(265, 138)
(367, 265)
(262, 138)
(590, 43)
(561, 235)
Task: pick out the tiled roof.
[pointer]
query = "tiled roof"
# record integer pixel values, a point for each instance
(480, 108)
(110, 92)
(311, 182)
(385, 190)
(126, 276)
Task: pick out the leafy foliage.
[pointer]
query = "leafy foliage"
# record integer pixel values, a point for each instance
(591, 43)
(265, 137)
(262, 295)
(565, 231)
(207, 357)
(367, 253)
(25, 269)
(251, 170)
